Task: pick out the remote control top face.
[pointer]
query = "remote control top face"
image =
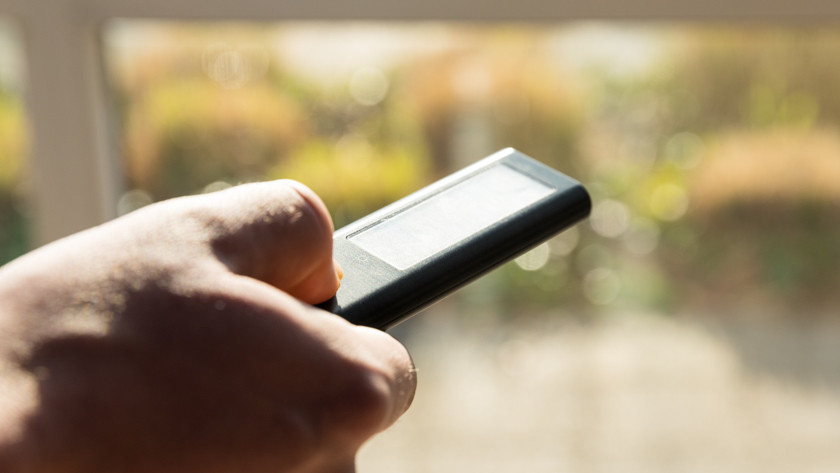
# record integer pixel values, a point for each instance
(413, 252)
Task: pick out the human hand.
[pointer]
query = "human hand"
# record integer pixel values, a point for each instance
(178, 338)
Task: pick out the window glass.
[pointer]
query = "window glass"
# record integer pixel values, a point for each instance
(14, 216)
(693, 323)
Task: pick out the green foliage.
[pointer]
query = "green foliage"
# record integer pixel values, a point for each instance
(784, 252)
(730, 119)
(14, 228)
(750, 77)
(185, 134)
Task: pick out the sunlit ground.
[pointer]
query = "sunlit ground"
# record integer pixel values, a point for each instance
(626, 394)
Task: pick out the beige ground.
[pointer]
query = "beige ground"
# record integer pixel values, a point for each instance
(629, 394)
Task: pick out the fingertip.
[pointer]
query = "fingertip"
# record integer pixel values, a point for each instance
(311, 198)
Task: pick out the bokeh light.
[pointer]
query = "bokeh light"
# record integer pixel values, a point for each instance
(534, 259)
(669, 201)
(234, 66)
(368, 86)
(133, 200)
(610, 218)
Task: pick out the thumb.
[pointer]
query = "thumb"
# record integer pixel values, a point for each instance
(278, 232)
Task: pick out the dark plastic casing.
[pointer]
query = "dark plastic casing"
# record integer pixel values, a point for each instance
(378, 294)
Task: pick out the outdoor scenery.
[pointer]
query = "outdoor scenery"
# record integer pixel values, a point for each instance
(692, 324)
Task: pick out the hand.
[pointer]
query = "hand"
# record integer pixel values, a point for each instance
(179, 338)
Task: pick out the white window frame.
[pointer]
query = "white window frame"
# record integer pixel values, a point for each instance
(74, 162)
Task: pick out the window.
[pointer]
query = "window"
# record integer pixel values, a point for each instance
(690, 323)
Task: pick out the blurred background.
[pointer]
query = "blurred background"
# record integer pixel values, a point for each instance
(691, 324)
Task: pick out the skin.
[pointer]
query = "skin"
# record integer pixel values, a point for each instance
(180, 338)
